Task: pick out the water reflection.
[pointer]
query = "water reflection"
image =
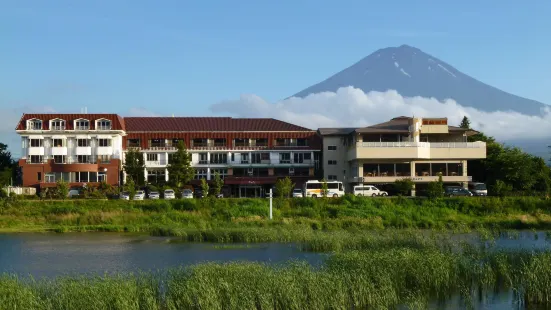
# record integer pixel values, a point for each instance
(56, 254)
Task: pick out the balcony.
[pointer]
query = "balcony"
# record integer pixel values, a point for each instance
(57, 128)
(417, 150)
(416, 179)
(99, 127)
(156, 163)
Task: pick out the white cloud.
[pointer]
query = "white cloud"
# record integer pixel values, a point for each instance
(351, 107)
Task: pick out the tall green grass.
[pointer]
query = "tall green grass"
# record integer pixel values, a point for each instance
(347, 213)
(382, 278)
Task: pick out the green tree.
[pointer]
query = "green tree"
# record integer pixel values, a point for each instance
(324, 188)
(284, 187)
(134, 166)
(179, 168)
(403, 186)
(205, 188)
(500, 188)
(465, 123)
(436, 189)
(130, 187)
(218, 182)
(7, 166)
(62, 189)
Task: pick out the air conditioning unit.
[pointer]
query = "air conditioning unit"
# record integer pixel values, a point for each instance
(291, 171)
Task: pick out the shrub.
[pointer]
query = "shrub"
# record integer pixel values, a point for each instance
(403, 186)
(501, 188)
(62, 189)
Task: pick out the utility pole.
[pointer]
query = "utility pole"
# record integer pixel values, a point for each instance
(271, 197)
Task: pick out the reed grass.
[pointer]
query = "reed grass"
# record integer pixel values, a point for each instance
(381, 278)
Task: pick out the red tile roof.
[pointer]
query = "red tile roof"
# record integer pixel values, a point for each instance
(117, 122)
(208, 124)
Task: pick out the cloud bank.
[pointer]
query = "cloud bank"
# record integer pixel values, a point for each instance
(351, 107)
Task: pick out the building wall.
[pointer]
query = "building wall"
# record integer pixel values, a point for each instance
(341, 169)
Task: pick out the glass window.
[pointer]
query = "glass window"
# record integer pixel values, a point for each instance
(102, 177)
(82, 124)
(104, 125)
(83, 142)
(58, 142)
(221, 172)
(302, 142)
(218, 158)
(200, 174)
(36, 159)
(285, 158)
(58, 125)
(264, 156)
(36, 142)
(83, 159)
(244, 158)
(331, 147)
(93, 177)
(331, 162)
(104, 159)
(34, 124)
(39, 176)
(104, 142)
(219, 142)
(332, 177)
(49, 178)
(199, 142)
(152, 157)
(202, 158)
(262, 142)
(241, 142)
(59, 159)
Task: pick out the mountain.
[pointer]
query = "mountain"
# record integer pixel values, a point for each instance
(413, 72)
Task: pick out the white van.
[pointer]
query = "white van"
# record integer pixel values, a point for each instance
(368, 190)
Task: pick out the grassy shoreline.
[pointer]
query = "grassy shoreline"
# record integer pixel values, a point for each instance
(180, 217)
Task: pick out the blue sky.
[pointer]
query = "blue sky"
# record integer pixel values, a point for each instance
(183, 56)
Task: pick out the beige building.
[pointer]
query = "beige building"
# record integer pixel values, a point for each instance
(417, 148)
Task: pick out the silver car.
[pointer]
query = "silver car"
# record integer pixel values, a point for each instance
(187, 194)
(169, 194)
(154, 195)
(124, 196)
(297, 192)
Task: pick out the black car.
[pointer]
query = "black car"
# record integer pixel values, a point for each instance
(452, 191)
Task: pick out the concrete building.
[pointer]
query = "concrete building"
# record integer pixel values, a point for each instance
(417, 148)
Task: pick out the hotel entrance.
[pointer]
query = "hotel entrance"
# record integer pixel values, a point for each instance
(251, 191)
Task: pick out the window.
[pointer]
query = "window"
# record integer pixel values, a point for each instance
(39, 176)
(262, 142)
(284, 158)
(307, 156)
(36, 142)
(104, 142)
(332, 162)
(221, 172)
(82, 124)
(58, 142)
(34, 124)
(59, 159)
(232, 156)
(58, 125)
(299, 158)
(83, 142)
(241, 142)
(218, 158)
(200, 142)
(82, 177)
(104, 159)
(264, 156)
(255, 158)
(203, 158)
(133, 142)
(200, 174)
(157, 143)
(103, 125)
(175, 142)
(83, 159)
(102, 177)
(244, 158)
(302, 142)
(152, 157)
(36, 159)
(156, 176)
(331, 147)
(331, 177)
(219, 142)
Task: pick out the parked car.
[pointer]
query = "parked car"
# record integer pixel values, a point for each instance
(125, 195)
(452, 191)
(478, 189)
(187, 194)
(140, 195)
(368, 190)
(169, 194)
(154, 195)
(221, 195)
(198, 193)
(73, 193)
(297, 192)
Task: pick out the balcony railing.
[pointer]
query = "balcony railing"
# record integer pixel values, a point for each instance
(57, 128)
(424, 144)
(82, 128)
(103, 128)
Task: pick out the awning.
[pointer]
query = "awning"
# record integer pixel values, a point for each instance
(229, 180)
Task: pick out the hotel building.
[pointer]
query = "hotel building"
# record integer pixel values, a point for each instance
(421, 149)
(250, 154)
